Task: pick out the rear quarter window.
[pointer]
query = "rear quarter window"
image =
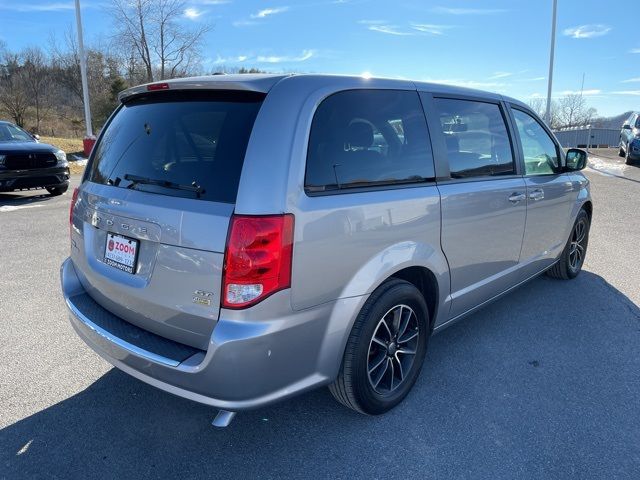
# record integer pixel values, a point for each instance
(365, 138)
(185, 144)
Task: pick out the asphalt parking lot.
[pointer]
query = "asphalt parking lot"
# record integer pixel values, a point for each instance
(544, 383)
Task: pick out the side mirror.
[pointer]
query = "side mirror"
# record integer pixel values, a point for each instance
(626, 127)
(576, 160)
(35, 136)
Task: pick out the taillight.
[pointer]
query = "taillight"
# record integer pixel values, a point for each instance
(74, 198)
(257, 259)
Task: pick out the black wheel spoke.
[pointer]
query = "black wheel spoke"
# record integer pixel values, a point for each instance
(392, 349)
(408, 337)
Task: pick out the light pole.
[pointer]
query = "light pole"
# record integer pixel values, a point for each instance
(83, 75)
(547, 114)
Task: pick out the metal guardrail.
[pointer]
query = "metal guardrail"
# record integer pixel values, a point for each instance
(588, 137)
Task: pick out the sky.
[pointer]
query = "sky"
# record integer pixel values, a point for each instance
(496, 45)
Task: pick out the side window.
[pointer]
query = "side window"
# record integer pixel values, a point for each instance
(476, 136)
(364, 138)
(539, 150)
(637, 123)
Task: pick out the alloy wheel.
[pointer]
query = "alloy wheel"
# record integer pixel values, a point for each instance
(578, 245)
(392, 349)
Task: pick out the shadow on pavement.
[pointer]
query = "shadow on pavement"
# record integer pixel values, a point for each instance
(25, 197)
(544, 383)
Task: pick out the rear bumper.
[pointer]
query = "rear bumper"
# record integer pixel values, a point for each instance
(36, 178)
(248, 363)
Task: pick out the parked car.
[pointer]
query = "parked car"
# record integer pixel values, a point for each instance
(237, 240)
(25, 163)
(630, 139)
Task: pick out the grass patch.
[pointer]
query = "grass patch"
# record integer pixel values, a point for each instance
(68, 145)
(75, 169)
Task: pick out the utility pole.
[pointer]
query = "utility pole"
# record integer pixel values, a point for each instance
(547, 115)
(83, 73)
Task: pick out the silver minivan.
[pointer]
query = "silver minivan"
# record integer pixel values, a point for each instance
(239, 239)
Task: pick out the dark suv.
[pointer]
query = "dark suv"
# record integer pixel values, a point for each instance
(630, 139)
(26, 163)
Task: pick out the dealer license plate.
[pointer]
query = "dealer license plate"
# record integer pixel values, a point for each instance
(121, 252)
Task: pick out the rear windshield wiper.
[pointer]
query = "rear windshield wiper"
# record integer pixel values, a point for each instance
(136, 180)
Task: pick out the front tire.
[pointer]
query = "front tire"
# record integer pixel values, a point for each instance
(570, 262)
(621, 152)
(627, 159)
(385, 350)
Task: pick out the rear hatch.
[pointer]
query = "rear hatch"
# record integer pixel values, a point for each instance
(151, 220)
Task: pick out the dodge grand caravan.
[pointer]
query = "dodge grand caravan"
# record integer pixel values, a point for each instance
(237, 240)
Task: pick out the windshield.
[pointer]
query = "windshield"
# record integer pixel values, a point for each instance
(178, 143)
(11, 133)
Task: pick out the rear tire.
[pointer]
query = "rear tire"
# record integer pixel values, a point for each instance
(370, 389)
(571, 260)
(621, 152)
(55, 191)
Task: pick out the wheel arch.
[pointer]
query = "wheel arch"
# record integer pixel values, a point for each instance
(425, 281)
(588, 207)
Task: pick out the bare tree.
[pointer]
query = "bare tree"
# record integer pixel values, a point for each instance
(150, 34)
(36, 77)
(14, 98)
(539, 105)
(575, 112)
(571, 109)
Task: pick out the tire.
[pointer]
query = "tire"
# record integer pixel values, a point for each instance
(55, 191)
(354, 386)
(567, 268)
(627, 158)
(621, 152)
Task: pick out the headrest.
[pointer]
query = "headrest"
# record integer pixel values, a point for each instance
(453, 143)
(360, 135)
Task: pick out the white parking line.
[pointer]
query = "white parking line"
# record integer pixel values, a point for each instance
(12, 208)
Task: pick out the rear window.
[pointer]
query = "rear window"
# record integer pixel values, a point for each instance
(183, 144)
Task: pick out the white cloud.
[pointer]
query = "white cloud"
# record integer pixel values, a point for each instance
(389, 29)
(532, 79)
(430, 28)
(192, 13)
(224, 60)
(413, 29)
(586, 93)
(305, 55)
(627, 92)
(634, 50)
(269, 11)
(498, 75)
(38, 7)
(587, 31)
(467, 11)
(631, 80)
(271, 59)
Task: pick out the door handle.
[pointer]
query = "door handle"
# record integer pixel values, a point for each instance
(517, 197)
(537, 194)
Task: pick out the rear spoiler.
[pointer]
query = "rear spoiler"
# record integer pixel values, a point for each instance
(241, 82)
